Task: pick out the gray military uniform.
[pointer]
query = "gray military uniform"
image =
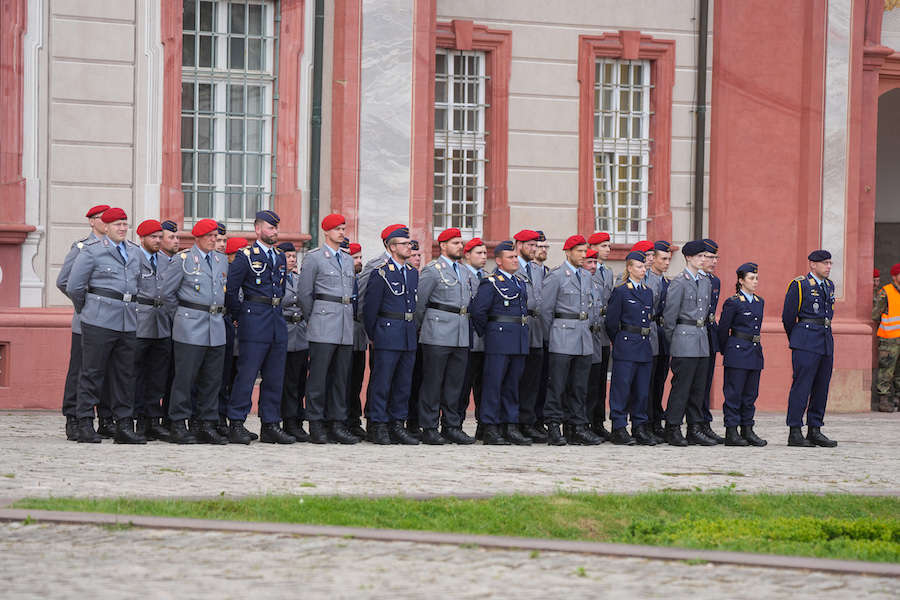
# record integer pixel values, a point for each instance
(654, 282)
(154, 321)
(62, 279)
(296, 363)
(101, 285)
(293, 315)
(604, 282)
(154, 329)
(532, 275)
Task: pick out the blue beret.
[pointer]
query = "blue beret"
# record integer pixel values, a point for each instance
(269, 217)
(662, 245)
(636, 255)
(693, 248)
(541, 236)
(399, 232)
(414, 245)
(170, 226)
(819, 255)
(504, 245)
(287, 247)
(220, 228)
(709, 246)
(749, 267)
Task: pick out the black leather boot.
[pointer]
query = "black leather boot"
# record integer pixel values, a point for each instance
(355, 428)
(238, 434)
(317, 432)
(155, 431)
(815, 435)
(142, 425)
(659, 431)
(643, 435)
(514, 436)
(431, 437)
(554, 435)
(732, 438)
(125, 433)
(413, 429)
(582, 434)
(399, 435)
(222, 426)
(568, 432)
(754, 440)
(479, 431)
(534, 433)
(620, 437)
(601, 431)
(340, 434)
(795, 438)
(179, 434)
(708, 432)
(86, 433)
(208, 433)
(71, 428)
(106, 427)
(294, 428)
(673, 436)
(493, 436)
(458, 436)
(272, 433)
(696, 436)
(378, 434)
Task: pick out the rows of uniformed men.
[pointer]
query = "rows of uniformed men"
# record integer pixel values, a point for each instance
(176, 339)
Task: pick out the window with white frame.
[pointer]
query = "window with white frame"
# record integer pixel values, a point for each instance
(227, 116)
(621, 148)
(459, 141)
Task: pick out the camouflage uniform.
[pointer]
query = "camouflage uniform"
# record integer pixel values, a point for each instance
(888, 380)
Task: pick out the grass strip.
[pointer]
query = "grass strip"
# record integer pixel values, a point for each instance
(830, 526)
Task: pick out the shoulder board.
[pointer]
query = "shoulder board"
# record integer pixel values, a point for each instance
(491, 278)
(246, 251)
(630, 285)
(277, 250)
(755, 297)
(183, 254)
(737, 297)
(801, 278)
(619, 283)
(80, 245)
(381, 270)
(130, 243)
(309, 251)
(686, 276)
(91, 242)
(434, 263)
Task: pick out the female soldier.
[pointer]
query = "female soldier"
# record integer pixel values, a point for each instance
(739, 340)
(628, 325)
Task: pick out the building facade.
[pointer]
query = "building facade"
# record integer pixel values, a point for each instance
(568, 117)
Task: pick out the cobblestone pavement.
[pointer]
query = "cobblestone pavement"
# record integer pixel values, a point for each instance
(78, 561)
(36, 460)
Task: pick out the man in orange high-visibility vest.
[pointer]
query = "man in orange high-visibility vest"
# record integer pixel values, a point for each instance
(887, 314)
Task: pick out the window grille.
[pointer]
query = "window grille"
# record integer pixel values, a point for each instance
(228, 118)
(622, 148)
(459, 141)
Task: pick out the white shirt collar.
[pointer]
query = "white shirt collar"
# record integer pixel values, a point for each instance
(749, 297)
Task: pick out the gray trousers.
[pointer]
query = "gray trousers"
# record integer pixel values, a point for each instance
(107, 359)
(199, 366)
(443, 377)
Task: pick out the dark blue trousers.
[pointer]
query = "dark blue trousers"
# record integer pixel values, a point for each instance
(809, 389)
(390, 382)
(741, 388)
(629, 393)
(500, 388)
(268, 359)
(228, 370)
(707, 391)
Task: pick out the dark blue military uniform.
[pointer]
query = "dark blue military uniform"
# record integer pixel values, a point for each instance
(806, 316)
(660, 369)
(738, 338)
(260, 273)
(500, 316)
(389, 307)
(712, 330)
(628, 315)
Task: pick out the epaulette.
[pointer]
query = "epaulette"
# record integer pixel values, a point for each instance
(755, 297)
(246, 251)
(490, 278)
(184, 254)
(800, 278)
(619, 283)
(316, 249)
(434, 263)
(629, 285)
(739, 297)
(132, 243)
(277, 250)
(91, 242)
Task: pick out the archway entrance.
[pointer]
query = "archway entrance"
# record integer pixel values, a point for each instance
(887, 187)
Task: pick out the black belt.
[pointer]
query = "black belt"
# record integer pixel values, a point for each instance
(701, 323)
(712, 319)
(149, 302)
(338, 299)
(597, 328)
(745, 336)
(460, 310)
(405, 316)
(112, 294)
(645, 331)
(825, 321)
(294, 318)
(532, 313)
(659, 321)
(263, 300)
(582, 316)
(214, 309)
(523, 320)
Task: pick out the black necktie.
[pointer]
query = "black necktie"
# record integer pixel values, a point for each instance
(153, 263)
(528, 269)
(209, 262)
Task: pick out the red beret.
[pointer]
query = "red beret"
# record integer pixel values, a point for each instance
(591, 254)
(149, 226)
(234, 244)
(598, 238)
(895, 270)
(355, 248)
(526, 235)
(574, 240)
(876, 273)
(449, 234)
(389, 229)
(643, 246)
(473, 243)
(114, 214)
(97, 210)
(332, 221)
(203, 227)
